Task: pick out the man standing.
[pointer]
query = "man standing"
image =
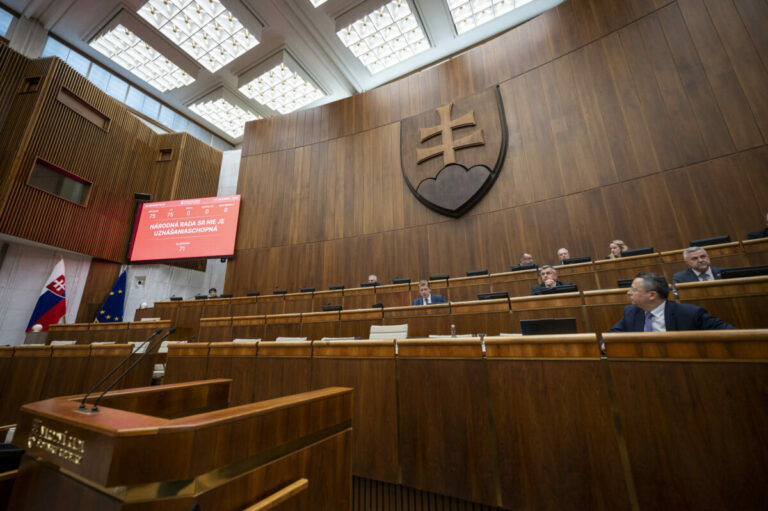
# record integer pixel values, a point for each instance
(652, 312)
(427, 298)
(700, 269)
(563, 254)
(548, 280)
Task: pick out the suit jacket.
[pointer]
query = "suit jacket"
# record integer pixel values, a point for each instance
(690, 276)
(539, 288)
(435, 299)
(758, 234)
(677, 316)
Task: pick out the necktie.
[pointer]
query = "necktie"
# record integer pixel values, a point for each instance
(648, 327)
(704, 277)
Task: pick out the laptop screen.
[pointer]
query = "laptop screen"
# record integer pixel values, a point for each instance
(548, 326)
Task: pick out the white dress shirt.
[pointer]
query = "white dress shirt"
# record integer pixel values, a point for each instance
(658, 324)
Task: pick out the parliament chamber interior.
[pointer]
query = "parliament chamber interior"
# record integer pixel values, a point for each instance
(345, 304)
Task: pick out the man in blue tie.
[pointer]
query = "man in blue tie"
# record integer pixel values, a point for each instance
(652, 312)
(427, 298)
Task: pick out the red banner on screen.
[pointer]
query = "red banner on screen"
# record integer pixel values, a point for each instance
(186, 229)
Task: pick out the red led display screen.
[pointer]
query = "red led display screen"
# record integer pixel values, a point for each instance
(186, 229)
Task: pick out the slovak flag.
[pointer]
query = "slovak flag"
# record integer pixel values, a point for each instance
(52, 304)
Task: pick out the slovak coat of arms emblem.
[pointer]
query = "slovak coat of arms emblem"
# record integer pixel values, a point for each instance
(451, 156)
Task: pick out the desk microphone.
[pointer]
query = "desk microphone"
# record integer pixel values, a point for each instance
(118, 366)
(95, 407)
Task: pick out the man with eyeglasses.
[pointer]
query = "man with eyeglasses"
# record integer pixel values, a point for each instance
(652, 312)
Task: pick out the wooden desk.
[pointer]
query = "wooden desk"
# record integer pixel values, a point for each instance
(393, 295)
(563, 305)
(581, 274)
(610, 271)
(186, 362)
(369, 368)
(270, 304)
(326, 297)
(756, 251)
(515, 283)
(467, 288)
(357, 323)
(236, 361)
(139, 330)
(69, 332)
(216, 307)
(248, 327)
(187, 319)
(489, 317)
(298, 302)
(114, 332)
(282, 325)
(66, 370)
(215, 329)
(244, 306)
(358, 298)
(104, 357)
(316, 325)
(446, 445)
(694, 416)
(167, 310)
(134, 455)
(422, 320)
(553, 424)
(604, 307)
(741, 302)
(283, 368)
(24, 380)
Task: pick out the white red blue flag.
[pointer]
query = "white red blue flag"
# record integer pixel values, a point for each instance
(52, 304)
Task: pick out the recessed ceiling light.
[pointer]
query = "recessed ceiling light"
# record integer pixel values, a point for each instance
(221, 109)
(385, 36)
(315, 3)
(468, 14)
(280, 84)
(129, 51)
(204, 29)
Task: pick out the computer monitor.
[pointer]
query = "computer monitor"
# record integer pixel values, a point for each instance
(201, 297)
(439, 277)
(714, 240)
(624, 282)
(307, 289)
(335, 288)
(252, 293)
(548, 326)
(476, 273)
(330, 308)
(493, 296)
(521, 267)
(280, 292)
(577, 260)
(226, 295)
(401, 281)
(637, 251)
(369, 284)
(177, 298)
(747, 271)
(568, 288)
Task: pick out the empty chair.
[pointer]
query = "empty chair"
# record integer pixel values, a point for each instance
(102, 342)
(288, 339)
(388, 331)
(246, 341)
(337, 339)
(62, 343)
(164, 346)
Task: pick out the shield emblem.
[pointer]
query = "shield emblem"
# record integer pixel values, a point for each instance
(451, 156)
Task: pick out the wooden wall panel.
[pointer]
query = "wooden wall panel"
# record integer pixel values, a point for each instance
(627, 120)
(101, 277)
(118, 160)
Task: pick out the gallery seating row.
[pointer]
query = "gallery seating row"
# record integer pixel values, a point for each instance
(536, 422)
(32, 373)
(86, 333)
(588, 276)
(741, 302)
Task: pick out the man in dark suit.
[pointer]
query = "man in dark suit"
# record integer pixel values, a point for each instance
(427, 298)
(651, 312)
(548, 280)
(759, 234)
(700, 269)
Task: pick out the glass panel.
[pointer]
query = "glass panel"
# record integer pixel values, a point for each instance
(99, 77)
(166, 116)
(117, 88)
(179, 124)
(54, 48)
(59, 183)
(150, 107)
(5, 21)
(78, 63)
(135, 99)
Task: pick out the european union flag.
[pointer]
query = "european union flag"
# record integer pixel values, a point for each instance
(112, 310)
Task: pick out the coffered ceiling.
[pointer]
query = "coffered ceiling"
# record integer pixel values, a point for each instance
(293, 32)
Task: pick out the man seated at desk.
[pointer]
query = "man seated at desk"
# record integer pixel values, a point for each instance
(212, 293)
(652, 312)
(427, 298)
(700, 269)
(548, 280)
(563, 254)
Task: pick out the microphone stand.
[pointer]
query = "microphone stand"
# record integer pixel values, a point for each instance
(118, 366)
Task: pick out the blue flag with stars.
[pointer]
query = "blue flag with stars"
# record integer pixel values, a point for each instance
(112, 310)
